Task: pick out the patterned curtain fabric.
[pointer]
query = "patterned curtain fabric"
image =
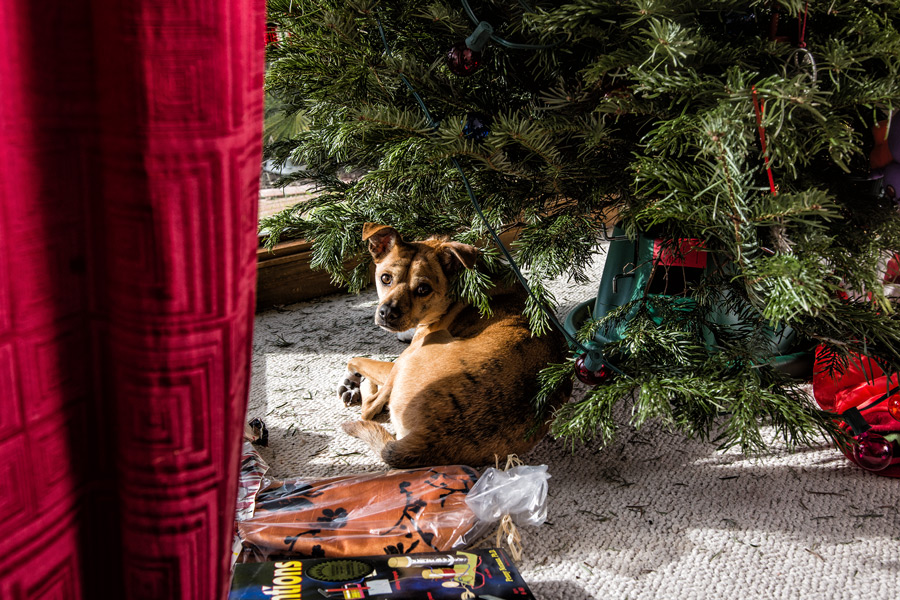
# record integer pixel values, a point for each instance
(130, 136)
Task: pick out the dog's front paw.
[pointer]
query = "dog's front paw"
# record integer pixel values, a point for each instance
(348, 390)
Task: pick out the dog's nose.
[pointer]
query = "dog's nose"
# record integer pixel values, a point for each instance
(388, 314)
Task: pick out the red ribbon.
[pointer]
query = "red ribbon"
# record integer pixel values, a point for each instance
(760, 107)
(801, 25)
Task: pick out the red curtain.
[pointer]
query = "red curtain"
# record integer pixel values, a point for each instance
(130, 136)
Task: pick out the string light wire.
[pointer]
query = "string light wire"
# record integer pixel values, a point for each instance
(500, 40)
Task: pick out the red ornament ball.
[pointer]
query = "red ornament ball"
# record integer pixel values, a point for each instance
(585, 375)
(893, 406)
(462, 60)
(872, 451)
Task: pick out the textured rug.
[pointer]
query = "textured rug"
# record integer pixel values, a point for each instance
(652, 516)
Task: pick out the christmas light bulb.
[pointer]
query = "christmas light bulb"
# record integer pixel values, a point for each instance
(872, 451)
(893, 406)
(465, 57)
(462, 60)
(585, 375)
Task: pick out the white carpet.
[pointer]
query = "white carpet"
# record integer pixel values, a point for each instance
(653, 516)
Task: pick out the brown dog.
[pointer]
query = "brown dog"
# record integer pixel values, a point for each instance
(461, 393)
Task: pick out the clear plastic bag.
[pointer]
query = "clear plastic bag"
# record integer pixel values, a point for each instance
(431, 509)
(251, 480)
(520, 492)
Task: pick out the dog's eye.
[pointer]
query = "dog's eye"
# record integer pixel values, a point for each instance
(386, 279)
(423, 290)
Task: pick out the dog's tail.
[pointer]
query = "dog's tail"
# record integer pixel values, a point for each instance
(370, 432)
(396, 453)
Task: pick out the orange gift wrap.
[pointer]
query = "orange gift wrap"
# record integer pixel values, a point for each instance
(398, 512)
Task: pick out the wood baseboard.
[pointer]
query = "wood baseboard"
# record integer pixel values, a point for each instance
(284, 276)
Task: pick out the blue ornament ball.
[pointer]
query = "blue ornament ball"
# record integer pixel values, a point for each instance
(738, 23)
(477, 127)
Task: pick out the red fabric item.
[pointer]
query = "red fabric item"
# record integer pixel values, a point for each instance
(271, 34)
(860, 384)
(892, 272)
(826, 387)
(689, 253)
(130, 140)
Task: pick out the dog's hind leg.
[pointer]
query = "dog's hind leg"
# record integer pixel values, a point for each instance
(374, 398)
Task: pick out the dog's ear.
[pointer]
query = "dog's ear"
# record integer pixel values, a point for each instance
(454, 255)
(381, 239)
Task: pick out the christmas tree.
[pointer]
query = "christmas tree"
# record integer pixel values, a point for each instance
(743, 126)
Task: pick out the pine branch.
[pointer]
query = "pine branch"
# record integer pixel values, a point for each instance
(645, 107)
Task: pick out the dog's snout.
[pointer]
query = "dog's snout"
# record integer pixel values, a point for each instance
(389, 314)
